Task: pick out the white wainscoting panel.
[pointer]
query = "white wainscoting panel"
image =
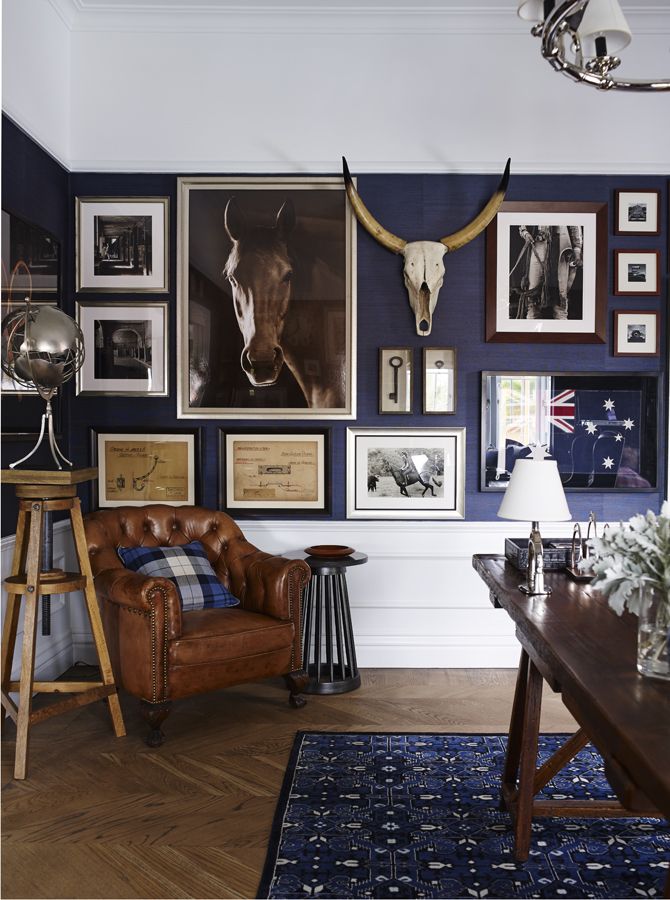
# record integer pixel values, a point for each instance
(417, 601)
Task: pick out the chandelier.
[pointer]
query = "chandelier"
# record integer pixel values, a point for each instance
(580, 38)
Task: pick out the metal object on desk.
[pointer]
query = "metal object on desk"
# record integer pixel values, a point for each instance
(328, 648)
(581, 550)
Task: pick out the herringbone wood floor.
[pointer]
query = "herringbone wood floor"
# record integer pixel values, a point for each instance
(106, 817)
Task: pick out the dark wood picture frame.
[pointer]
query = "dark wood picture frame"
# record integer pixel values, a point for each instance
(450, 411)
(155, 431)
(406, 355)
(618, 203)
(569, 422)
(593, 277)
(621, 349)
(624, 289)
(261, 510)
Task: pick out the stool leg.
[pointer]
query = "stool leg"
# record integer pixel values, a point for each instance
(349, 631)
(33, 560)
(94, 616)
(308, 625)
(11, 622)
(319, 626)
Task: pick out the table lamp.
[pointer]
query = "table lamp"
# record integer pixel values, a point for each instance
(535, 492)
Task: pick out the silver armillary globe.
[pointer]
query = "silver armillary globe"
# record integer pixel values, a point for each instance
(42, 347)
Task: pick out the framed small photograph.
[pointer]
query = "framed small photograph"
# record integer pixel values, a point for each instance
(439, 380)
(405, 473)
(294, 355)
(544, 273)
(637, 212)
(7, 385)
(126, 349)
(271, 471)
(122, 244)
(138, 466)
(636, 332)
(636, 272)
(601, 428)
(395, 379)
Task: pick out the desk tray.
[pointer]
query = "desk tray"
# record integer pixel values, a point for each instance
(556, 553)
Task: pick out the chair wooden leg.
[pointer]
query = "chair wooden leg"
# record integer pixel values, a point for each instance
(154, 714)
(94, 616)
(33, 561)
(296, 682)
(10, 625)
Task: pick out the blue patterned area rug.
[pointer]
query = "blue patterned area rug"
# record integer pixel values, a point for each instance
(416, 815)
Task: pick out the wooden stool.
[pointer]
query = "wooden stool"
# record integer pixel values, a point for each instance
(41, 492)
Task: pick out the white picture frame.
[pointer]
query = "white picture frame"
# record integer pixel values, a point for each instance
(382, 465)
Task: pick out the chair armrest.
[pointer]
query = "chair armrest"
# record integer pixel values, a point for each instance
(156, 597)
(275, 585)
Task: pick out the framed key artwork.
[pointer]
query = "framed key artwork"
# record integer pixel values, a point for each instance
(395, 380)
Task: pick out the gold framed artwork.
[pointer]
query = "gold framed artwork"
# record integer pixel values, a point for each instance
(137, 466)
(274, 471)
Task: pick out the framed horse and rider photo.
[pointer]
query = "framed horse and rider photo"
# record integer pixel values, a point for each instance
(405, 473)
(601, 428)
(266, 298)
(546, 273)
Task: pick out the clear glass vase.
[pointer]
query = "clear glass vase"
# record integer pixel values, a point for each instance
(653, 634)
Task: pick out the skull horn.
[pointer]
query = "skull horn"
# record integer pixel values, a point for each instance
(367, 220)
(479, 223)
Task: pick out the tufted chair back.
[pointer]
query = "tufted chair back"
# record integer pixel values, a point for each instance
(157, 525)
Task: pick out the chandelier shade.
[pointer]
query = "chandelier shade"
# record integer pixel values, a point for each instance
(604, 19)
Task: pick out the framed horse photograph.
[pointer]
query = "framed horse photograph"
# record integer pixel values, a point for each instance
(546, 273)
(266, 298)
(405, 473)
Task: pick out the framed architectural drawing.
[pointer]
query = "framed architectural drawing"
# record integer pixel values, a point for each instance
(274, 471)
(601, 428)
(139, 466)
(546, 266)
(122, 244)
(266, 299)
(405, 473)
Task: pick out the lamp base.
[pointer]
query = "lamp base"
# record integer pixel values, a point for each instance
(531, 593)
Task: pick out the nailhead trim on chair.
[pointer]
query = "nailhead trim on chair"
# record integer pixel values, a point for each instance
(292, 588)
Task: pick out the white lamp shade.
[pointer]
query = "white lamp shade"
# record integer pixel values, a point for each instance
(604, 18)
(535, 493)
(531, 10)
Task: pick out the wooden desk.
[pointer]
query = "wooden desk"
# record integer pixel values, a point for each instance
(585, 652)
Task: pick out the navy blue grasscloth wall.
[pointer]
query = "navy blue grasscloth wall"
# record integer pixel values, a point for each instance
(416, 207)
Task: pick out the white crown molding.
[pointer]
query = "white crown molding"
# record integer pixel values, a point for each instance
(374, 167)
(403, 17)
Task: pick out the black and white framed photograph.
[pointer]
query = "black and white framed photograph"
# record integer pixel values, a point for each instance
(439, 380)
(546, 267)
(637, 212)
(144, 465)
(637, 332)
(636, 272)
(274, 471)
(405, 473)
(601, 428)
(30, 260)
(126, 348)
(396, 379)
(266, 299)
(122, 244)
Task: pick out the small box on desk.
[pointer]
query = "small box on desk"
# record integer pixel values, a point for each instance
(556, 553)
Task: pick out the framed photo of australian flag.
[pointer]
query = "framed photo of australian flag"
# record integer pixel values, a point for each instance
(600, 428)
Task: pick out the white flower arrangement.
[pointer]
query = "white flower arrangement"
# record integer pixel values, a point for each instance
(631, 555)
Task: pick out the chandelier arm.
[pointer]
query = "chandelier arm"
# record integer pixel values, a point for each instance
(554, 32)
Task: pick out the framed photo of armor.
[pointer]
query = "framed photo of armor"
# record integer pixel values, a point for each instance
(546, 273)
(601, 427)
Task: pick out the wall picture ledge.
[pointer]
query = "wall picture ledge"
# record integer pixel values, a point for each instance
(546, 265)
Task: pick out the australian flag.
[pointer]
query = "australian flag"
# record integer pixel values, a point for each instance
(595, 435)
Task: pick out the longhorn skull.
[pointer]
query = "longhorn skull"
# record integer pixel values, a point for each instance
(424, 266)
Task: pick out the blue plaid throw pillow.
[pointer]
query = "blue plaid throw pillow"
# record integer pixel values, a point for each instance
(188, 567)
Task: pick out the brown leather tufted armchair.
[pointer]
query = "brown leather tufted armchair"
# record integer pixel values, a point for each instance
(160, 653)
